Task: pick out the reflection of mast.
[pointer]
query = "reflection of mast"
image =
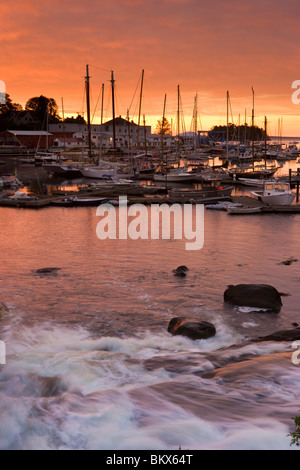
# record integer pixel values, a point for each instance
(87, 84)
(140, 106)
(113, 108)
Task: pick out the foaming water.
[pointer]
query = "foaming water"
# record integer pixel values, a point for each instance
(63, 389)
(89, 361)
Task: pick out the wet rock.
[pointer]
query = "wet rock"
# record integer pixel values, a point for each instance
(282, 335)
(260, 296)
(192, 328)
(288, 261)
(47, 270)
(180, 271)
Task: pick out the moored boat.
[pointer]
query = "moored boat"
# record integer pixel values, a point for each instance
(275, 193)
(243, 210)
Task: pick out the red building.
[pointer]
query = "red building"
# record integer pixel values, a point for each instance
(26, 139)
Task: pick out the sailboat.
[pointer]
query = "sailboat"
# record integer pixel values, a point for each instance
(174, 175)
(104, 169)
(45, 157)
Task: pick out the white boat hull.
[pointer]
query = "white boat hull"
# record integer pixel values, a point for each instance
(243, 210)
(173, 178)
(280, 199)
(97, 172)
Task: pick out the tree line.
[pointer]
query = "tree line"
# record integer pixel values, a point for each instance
(42, 109)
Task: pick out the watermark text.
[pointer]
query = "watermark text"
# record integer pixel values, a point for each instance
(296, 354)
(2, 92)
(2, 353)
(156, 221)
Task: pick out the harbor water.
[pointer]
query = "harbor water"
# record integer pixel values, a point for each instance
(89, 362)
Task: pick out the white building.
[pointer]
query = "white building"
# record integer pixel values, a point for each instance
(128, 135)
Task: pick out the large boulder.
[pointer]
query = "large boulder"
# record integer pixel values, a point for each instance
(261, 296)
(192, 328)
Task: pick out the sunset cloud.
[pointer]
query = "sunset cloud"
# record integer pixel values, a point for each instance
(206, 47)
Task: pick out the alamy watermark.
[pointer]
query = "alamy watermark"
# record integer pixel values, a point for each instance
(2, 92)
(155, 221)
(296, 93)
(2, 353)
(296, 354)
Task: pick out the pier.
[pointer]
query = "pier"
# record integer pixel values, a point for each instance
(247, 201)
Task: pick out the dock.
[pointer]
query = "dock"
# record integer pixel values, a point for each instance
(40, 202)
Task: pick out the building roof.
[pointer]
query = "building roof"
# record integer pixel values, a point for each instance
(33, 133)
(119, 120)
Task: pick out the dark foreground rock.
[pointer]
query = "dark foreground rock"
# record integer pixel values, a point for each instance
(254, 295)
(180, 271)
(47, 270)
(192, 328)
(281, 335)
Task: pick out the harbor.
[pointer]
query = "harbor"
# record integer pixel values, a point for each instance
(201, 189)
(150, 229)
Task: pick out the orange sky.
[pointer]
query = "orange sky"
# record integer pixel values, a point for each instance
(206, 47)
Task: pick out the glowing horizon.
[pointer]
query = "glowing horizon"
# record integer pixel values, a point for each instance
(207, 49)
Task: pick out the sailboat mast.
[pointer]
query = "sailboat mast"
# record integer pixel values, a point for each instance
(145, 135)
(195, 119)
(87, 84)
(47, 127)
(64, 127)
(252, 126)
(113, 108)
(140, 106)
(101, 122)
(227, 124)
(265, 141)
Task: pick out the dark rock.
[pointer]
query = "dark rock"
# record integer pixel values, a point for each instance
(47, 270)
(182, 268)
(289, 261)
(254, 295)
(282, 335)
(192, 328)
(180, 271)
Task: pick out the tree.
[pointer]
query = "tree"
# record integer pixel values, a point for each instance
(42, 105)
(243, 132)
(295, 435)
(9, 106)
(7, 112)
(163, 126)
(78, 120)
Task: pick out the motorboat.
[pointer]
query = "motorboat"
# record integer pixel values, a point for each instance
(63, 169)
(292, 150)
(204, 193)
(174, 176)
(252, 181)
(222, 206)
(275, 193)
(79, 201)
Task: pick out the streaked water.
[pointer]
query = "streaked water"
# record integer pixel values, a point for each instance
(90, 364)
